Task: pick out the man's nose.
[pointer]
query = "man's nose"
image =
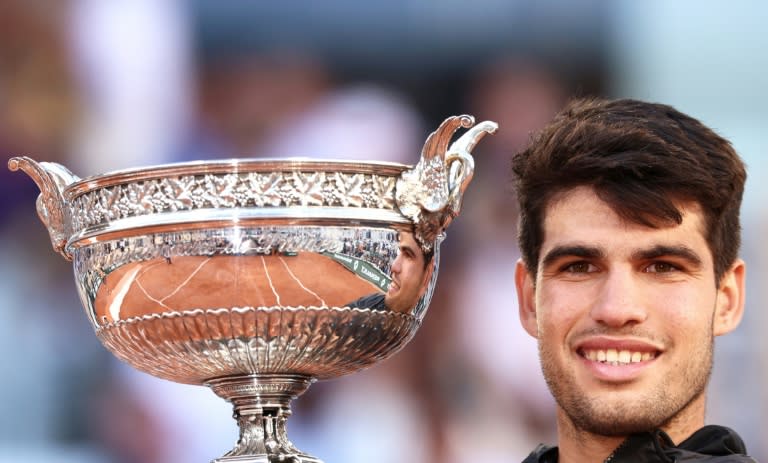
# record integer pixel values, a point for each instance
(397, 264)
(620, 300)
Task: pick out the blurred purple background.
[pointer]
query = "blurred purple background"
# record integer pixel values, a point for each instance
(99, 86)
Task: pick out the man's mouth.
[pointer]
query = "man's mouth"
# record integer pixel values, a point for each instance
(617, 357)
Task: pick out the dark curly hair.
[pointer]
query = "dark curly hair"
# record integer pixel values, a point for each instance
(644, 160)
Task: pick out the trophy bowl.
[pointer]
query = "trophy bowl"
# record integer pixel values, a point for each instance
(258, 277)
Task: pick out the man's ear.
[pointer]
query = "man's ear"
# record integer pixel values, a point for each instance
(729, 307)
(526, 298)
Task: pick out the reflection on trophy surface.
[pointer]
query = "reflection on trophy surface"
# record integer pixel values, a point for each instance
(258, 277)
(410, 275)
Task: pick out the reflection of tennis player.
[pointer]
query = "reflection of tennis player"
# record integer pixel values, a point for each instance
(411, 271)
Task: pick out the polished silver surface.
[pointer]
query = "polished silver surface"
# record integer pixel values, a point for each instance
(258, 277)
(430, 194)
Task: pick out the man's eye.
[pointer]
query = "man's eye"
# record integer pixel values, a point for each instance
(661, 267)
(579, 267)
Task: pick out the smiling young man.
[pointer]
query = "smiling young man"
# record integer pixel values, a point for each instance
(410, 274)
(629, 231)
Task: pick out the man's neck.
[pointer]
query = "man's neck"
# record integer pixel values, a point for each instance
(578, 446)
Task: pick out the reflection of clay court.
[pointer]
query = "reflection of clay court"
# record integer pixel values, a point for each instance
(199, 282)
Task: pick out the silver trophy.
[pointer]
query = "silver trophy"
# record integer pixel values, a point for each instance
(258, 277)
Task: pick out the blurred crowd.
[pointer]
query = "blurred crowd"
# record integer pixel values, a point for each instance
(99, 86)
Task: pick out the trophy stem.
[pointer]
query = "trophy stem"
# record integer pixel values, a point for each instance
(261, 407)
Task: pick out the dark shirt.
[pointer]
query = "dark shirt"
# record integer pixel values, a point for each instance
(372, 301)
(711, 444)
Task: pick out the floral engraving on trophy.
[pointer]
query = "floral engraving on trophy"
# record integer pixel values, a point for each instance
(214, 191)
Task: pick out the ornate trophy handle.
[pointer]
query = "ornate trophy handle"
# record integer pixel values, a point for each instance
(430, 194)
(52, 208)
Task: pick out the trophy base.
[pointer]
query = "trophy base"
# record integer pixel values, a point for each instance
(262, 407)
(250, 459)
(267, 459)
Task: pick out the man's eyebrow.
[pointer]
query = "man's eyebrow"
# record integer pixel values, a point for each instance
(408, 247)
(558, 252)
(662, 250)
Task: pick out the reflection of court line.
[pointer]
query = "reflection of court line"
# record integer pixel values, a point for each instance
(269, 279)
(322, 302)
(184, 283)
(150, 297)
(143, 290)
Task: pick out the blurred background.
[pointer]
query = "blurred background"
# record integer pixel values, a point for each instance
(103, 85)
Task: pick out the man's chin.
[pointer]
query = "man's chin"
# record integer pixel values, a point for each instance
(616, 418)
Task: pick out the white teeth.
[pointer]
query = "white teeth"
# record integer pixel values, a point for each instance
(618, 357)
(625, 356)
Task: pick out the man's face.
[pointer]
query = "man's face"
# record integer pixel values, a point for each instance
(409, 275)
(625, 315)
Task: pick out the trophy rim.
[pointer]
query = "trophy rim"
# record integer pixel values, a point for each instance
(236, 217)
(231, 166)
